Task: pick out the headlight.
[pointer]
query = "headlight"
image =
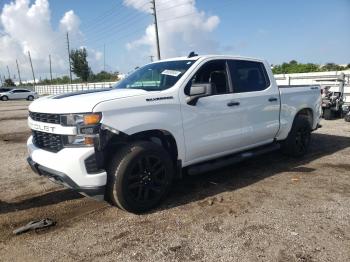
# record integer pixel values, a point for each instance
(88, 128)
(81, 119)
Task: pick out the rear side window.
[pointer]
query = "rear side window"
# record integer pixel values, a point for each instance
(248, 76)
(21, 91)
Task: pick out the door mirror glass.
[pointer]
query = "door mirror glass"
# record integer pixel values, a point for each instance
(197, 91)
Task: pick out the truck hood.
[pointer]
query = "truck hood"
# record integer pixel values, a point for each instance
(80, 102)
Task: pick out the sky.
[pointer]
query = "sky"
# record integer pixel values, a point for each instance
(119, 34)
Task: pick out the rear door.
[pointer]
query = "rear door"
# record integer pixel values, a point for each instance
(24, 94)
(258, 99)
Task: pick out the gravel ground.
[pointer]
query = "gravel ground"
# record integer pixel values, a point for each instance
(271, 208)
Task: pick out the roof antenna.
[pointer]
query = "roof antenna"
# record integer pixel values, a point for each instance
(192, 54)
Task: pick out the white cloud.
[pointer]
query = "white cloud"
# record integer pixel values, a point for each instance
(182, 28)
(70, 22)
(27, 27)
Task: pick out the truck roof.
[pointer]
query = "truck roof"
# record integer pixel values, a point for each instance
(213, 56)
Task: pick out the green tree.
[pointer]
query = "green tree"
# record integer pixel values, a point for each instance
(332, 67)
(9, 82)
(79, 63)
(104, 76)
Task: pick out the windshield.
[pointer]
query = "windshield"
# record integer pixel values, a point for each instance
(156, 76)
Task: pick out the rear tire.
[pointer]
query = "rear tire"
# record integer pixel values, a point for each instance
(327, 114)
(30, 98)
(4, 98)
(139, 176)
(298, 140)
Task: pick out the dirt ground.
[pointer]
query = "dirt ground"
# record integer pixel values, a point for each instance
(271, 208)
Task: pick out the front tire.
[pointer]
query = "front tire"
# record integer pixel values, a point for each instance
(298, 140)
(4, 98)
(30, 98)
(139, 176)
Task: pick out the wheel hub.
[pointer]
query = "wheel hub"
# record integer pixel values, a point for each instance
(146, 177)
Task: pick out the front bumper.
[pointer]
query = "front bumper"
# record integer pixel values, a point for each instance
(67, 168)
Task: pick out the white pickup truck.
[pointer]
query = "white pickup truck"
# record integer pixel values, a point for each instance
(193, 114)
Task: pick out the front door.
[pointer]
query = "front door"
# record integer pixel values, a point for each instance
(212, 127)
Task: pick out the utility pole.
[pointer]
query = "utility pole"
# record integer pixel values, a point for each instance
(19, 73)
(8, 71)
(104, 57)
(153, 2)
(50, 69)
(70, 67)
(31, 65)
(151, 56)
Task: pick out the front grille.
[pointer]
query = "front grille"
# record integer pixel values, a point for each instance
(47, 118)
(47, 141)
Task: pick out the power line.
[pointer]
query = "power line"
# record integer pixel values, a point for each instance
(177, 17)
(123, 36)
(107, 33)
(124, 17)
(114, 28)
(171, 7)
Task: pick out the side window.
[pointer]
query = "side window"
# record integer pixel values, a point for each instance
(248, 76)
(212, 72)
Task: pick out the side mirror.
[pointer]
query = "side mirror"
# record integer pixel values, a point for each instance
(197, 91)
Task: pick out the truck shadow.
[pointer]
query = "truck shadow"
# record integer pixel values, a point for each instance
(46, 199)
(196, 188)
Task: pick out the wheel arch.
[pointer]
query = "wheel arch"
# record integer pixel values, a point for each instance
(161, 137)
(307, 113)
(288, 119)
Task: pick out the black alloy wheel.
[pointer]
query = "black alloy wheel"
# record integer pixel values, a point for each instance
(139, 176)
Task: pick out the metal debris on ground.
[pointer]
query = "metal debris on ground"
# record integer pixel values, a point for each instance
(35, 225)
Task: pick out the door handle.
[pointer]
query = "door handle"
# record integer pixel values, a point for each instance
(272, 99)
(233, 103)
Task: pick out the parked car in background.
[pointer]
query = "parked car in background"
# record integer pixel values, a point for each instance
(18, 94)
